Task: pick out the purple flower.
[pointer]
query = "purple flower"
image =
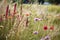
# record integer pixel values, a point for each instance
(37, 19)
(35, 32)
(47, 37)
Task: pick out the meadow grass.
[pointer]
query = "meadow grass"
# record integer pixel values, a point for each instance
(46, 17)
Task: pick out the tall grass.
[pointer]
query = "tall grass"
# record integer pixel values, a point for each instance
(14, 27)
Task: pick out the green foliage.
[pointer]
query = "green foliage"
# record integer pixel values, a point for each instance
(54, 1)
(46, 0)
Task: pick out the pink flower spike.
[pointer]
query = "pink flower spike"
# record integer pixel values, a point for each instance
(7, 10)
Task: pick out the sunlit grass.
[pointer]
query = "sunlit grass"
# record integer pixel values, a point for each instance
(16, 29)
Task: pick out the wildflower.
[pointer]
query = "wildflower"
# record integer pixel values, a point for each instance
(27, 14)
(52, 28)
(47, 37)
(35, 32)
(36, 19)
(45, 27)
(7, 9)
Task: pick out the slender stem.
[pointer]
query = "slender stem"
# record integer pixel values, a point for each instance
(14, 9)
(21, 7)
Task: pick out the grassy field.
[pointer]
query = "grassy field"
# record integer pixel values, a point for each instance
(37, 22)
